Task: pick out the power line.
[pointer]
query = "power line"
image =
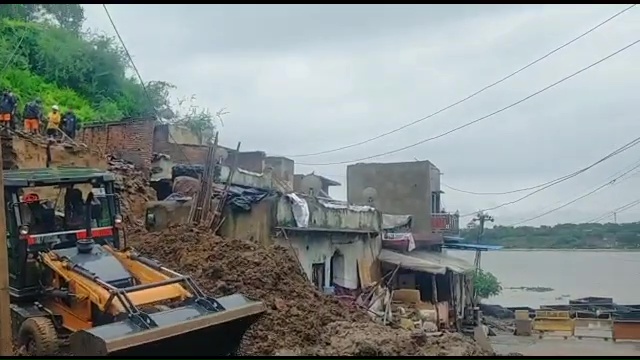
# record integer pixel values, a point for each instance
(617, 210)
(475, 93)
(578, 198)
(484, 117)
(620, 150)
(15, 51)
(135, 68)
(522, 189)
(495, 193)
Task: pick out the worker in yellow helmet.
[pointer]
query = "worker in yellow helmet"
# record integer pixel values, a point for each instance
(54, 122)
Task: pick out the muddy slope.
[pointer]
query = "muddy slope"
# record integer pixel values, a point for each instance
(299, 318)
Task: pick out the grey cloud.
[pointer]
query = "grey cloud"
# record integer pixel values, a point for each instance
(301, 79)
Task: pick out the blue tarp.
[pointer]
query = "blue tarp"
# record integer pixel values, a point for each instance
(481, 247)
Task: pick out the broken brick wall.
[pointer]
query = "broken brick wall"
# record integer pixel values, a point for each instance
(129, 139)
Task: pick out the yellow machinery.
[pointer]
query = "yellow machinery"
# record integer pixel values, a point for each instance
(74, 287)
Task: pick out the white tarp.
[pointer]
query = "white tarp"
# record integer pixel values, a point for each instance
(335, 204)
(300, 210)
(395, 221)
(425, 261)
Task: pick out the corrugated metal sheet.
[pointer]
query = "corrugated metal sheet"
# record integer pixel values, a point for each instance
(425, 261)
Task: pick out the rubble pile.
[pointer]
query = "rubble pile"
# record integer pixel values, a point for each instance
(299, 318)
(371, 339)
(133, 190)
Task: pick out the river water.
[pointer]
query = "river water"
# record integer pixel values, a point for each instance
(571, 274)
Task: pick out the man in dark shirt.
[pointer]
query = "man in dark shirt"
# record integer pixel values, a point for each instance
(8, 104)
(70, 123)
(33, 116)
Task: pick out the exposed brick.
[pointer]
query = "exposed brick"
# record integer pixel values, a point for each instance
(130, 139)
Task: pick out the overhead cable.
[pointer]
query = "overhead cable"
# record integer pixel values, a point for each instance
(609, 183)
(622, 208)
(481, 118)
(142, 83)
(475, 93)
(562, 179)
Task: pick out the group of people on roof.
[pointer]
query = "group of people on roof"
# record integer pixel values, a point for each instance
(34, 120)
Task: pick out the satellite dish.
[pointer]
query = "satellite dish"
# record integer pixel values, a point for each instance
(221, 155)
(311, 185)
(370, 195)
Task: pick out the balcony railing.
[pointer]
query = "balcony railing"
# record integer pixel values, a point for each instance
(445, 223)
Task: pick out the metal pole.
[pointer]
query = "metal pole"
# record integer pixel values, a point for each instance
(6, 348)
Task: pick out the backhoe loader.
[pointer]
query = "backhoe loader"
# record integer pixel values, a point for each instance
(72, 285)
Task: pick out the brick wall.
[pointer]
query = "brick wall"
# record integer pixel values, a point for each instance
(129, 139)
(179, 153)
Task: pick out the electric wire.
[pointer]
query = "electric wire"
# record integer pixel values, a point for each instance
(609, 183)
(483, 117)
(620, 150)
(622, 208)
(142, 83)
(475, 93)
(15, 51)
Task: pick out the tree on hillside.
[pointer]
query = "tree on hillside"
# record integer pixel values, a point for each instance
(90, 75)
(68, 16)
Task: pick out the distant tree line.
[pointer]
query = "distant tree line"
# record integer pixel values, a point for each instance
(563, 236)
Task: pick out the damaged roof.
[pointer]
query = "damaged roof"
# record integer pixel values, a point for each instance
(425, 261)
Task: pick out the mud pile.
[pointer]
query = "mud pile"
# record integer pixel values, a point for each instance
(299, 319)
(371, 339)
(132, 187)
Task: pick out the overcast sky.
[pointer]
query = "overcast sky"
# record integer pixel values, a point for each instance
(299, 79)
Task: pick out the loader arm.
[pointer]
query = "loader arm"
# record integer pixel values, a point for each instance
(119, 284)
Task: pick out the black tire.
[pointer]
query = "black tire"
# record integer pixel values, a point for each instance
(39, 337)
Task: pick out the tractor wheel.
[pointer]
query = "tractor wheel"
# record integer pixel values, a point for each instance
(39, 337)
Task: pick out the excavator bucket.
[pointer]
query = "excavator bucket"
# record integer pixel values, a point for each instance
(185, 331)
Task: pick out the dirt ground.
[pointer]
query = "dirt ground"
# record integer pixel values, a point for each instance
(558, 346)
(299, 319)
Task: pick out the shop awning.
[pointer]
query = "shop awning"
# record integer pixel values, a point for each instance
(425, 261)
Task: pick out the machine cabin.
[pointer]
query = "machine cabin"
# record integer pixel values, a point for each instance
(36, 224)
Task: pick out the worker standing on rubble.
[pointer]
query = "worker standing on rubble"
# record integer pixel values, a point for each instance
(53, 122)
(32, 116)
(8, 104)
(70, 123)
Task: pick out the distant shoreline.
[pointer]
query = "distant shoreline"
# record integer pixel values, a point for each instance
(583, 250)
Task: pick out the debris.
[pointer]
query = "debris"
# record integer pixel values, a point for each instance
(133, 190)
(299, 319)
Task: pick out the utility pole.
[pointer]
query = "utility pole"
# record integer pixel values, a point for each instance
(6, 346)
(481, 219)
(479, 222)
(615, 217)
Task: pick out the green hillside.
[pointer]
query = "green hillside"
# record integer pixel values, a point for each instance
(564, 236)
(43, 53)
